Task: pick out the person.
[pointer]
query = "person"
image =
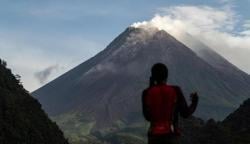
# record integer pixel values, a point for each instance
(162, 104)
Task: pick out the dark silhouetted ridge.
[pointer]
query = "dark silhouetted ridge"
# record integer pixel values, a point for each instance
(22, 121)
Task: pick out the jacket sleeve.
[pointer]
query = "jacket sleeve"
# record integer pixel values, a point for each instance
(182, 106)
(144, 106)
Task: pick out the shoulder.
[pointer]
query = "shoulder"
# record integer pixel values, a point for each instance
(145, 91)
(177, 90)
(175, 87)
(148, 89)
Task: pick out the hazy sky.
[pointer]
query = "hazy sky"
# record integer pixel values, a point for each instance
(42, 39)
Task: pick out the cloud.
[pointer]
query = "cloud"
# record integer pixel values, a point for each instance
(246, 28)
(42, 76)
(66, 10)
(216, 27)
(27, 53)
(247, 24)
(226, 1)
(193, 19)
(103, 67)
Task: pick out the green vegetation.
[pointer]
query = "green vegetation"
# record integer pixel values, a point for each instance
(80, 128)
(234, 129)
(75, 125)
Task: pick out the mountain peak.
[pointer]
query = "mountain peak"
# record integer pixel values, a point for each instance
(105, 91)
(148, 30)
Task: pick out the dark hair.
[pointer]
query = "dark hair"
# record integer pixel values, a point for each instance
(159, 73)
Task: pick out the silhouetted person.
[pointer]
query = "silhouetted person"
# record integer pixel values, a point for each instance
(162, 104)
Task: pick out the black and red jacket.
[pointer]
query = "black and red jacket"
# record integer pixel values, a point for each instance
(162, 104)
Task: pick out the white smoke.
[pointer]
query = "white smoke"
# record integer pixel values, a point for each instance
(103, 67)
(161, 23)
(139, 37)
(216, 27)
(43, 75)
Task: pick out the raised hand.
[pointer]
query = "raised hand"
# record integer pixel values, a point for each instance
(194, 97)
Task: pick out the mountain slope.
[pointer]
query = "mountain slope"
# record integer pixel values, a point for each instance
(107, 88)
(217, 61)
(22, 120)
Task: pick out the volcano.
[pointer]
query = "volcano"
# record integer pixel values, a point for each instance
(106, 89)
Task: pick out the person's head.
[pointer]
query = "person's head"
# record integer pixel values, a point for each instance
(159, 74)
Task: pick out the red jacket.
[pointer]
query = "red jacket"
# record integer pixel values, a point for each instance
(162, 104)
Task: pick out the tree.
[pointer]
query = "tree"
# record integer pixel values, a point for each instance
(18, 78)
(3, 63)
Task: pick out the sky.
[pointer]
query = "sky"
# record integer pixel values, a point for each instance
(40, 40)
